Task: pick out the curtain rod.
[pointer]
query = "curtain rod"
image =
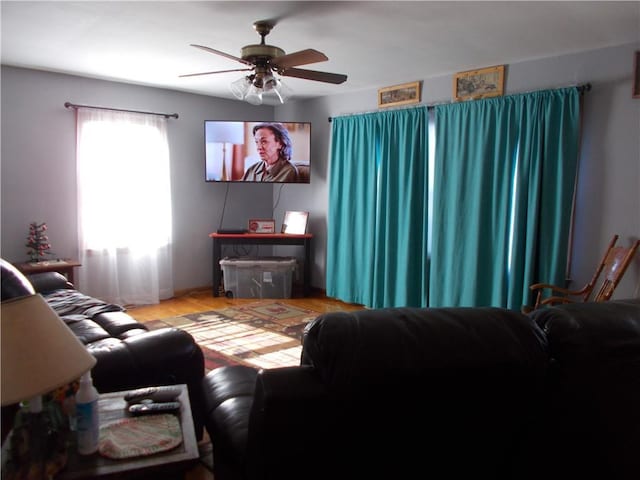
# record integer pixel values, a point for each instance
(581, 88)
(165, 115)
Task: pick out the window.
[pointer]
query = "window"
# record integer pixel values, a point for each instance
(124, 205)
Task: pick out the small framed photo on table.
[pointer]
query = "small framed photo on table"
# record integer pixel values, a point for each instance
(295, 223)
(258, 225)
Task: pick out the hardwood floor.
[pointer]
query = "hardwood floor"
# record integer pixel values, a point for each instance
(202, 300)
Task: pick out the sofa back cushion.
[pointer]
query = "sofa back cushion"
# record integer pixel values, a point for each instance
(13, 282)
(354, 349)
(451, 391)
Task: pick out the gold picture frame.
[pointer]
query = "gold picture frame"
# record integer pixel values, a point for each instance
(636, 75)
(476, 84)
(404, 94)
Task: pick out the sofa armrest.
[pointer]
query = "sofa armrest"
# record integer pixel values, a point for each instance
(13, 281)
(594, 388)
(49, 281)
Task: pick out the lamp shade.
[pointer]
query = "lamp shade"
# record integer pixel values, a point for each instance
(39, 352)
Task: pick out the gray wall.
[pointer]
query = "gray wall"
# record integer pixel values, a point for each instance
(38, 159)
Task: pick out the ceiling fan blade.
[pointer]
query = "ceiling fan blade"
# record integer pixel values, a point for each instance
(217, 71)
(314, 75)
(218, 52)
(303, 57)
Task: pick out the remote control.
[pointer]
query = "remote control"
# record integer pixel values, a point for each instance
(156, 394)
(145, 408)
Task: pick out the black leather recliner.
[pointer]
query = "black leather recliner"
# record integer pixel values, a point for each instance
(387, 393)
(448, 393)
(128, 354)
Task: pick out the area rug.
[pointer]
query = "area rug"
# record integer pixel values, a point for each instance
(264, 334)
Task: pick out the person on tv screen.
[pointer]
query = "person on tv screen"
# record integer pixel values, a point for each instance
(275, 149)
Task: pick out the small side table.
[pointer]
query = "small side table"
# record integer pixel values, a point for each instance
(159, 465)
(65, 267)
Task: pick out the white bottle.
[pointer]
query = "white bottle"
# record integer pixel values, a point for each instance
(88, 425)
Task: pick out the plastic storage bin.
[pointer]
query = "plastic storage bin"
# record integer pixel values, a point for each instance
(257, 277)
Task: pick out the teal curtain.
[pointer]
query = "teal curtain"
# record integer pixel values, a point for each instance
(474, 167)
(505, 171)
(378, 199)
(548, 167)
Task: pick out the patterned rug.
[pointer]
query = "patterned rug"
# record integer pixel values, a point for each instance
(262, 334)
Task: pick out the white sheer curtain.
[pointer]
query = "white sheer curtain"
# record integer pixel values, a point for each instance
(124, 206)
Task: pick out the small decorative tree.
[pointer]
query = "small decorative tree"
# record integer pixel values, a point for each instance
(38, 242)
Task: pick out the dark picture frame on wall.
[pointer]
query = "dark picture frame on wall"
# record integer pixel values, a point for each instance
(636, 74)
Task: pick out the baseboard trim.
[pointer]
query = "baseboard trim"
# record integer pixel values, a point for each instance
(185, 292)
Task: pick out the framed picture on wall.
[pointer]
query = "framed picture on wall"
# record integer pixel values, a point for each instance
(636, 74)
(404, 94)
(476, 84)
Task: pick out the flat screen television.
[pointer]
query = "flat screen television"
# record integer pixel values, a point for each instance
(239, 151)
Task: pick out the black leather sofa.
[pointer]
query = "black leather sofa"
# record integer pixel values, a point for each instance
(128, 354)
(449, 393)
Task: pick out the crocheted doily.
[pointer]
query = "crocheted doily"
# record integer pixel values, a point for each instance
(138, 436)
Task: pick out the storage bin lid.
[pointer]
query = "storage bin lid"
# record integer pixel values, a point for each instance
(263, 262)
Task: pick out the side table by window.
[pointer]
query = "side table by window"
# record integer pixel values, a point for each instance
(65, 267)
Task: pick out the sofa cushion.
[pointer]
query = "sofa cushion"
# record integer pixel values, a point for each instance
(85, 329)
(118, 323)
(48, 281)
(70, 302)
(133, 332)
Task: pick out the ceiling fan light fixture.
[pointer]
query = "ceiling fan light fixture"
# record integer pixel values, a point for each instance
(283, 91)
(269, 82)
(240, 87)
(254, 95)
(261, 89)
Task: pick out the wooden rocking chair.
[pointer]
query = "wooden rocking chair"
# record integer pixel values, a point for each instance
(612, 267)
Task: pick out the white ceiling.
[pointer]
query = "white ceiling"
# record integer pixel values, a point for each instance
(376, 43)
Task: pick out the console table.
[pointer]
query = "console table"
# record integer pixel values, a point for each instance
(220, 239)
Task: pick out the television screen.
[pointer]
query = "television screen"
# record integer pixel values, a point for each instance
(277, 152)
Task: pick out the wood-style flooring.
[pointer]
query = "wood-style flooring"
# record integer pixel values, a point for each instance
(202, 300)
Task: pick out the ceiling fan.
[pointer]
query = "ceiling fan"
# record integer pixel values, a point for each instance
(265, 60)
